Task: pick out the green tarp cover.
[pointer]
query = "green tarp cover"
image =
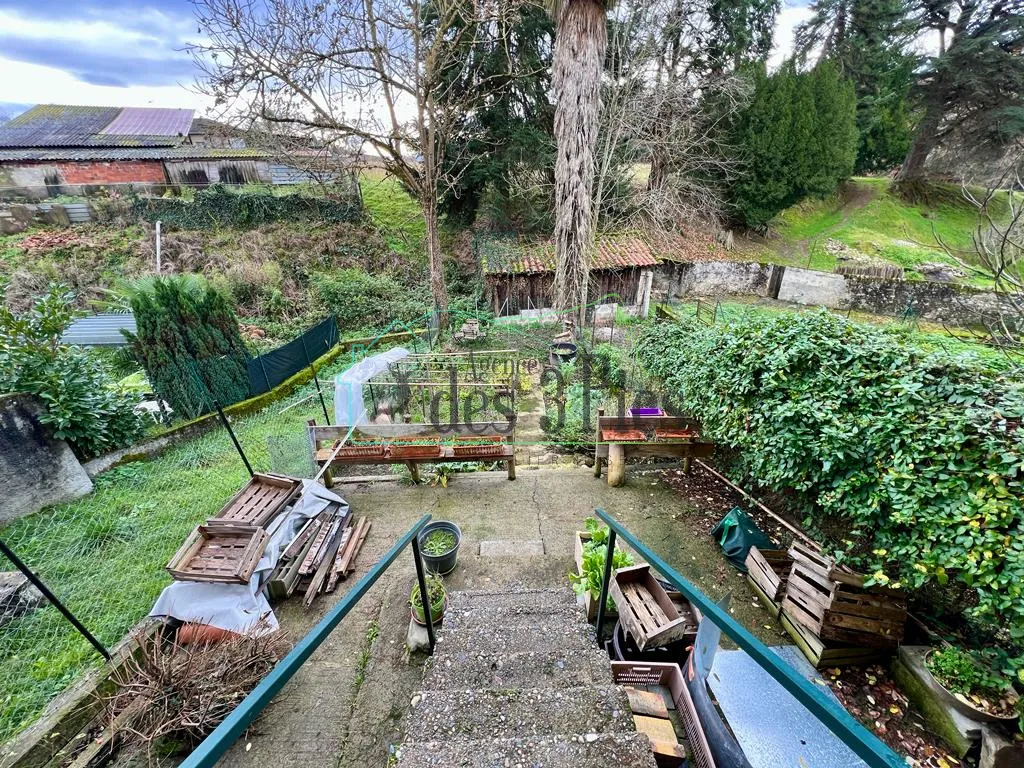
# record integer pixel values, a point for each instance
(737, 533)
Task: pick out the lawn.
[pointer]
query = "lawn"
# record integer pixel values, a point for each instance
(867, 217)
(395, 214)
(104, 554)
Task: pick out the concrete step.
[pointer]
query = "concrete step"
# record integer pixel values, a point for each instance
(461, 643)
(591, 750)
(557, 669)
(512, 615)
(525, 598)
(515, 713)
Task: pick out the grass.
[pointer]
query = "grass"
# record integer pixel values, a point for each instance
(867, 216)
(395, 214)
(104, 554)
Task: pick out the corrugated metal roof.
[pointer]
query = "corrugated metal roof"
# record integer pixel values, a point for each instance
(100, 330)
(186, 152)
(509, 257)
(146, 121)
(55, 125)
(66, 125)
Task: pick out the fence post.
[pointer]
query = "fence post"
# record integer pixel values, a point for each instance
(38, 583)
(231, 432)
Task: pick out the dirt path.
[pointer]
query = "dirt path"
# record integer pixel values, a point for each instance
(854, 197)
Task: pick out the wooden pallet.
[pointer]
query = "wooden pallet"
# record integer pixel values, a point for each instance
(259, 501)
(221, 553)
(834, 604)
(769, 570)
(646, 611)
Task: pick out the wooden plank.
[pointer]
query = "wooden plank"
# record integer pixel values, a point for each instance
(336, 572)
(646, 703)
(323, 570)
(308, 565)
(347, 561)
(305, 533)
(656, 728)
(358, 546)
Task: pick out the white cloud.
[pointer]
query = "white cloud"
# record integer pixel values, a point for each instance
(25, 83)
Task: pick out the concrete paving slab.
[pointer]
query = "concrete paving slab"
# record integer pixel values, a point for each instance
(509, 548)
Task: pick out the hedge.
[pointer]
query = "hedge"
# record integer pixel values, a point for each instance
(918, 452)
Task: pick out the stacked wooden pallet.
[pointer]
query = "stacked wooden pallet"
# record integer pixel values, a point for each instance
(834, 617)
(322, 553)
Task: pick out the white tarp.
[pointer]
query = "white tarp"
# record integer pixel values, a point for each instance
(243, 607)
(349, 405)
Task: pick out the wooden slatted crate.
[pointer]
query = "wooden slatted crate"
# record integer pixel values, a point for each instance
(835, 605)
(769, 570)
(223, 553)
(259, 501)
(646, 611)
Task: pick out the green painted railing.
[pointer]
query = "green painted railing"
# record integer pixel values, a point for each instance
(227, 733)
(864, 743)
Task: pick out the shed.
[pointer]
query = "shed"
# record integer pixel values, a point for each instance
(520, 275)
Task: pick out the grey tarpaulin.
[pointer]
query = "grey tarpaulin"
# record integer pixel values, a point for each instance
(243, 607)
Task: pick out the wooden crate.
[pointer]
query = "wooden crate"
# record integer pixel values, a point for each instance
(259, 501)
(769, 570)
(823, 654)
(222, 553)
(834, 604)
(646, 611)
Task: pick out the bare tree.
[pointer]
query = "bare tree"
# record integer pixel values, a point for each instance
(394, 78)
(664, 109)
(997, 251)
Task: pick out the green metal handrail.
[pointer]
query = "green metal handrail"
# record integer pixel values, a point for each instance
(864, 743)
(217, 743)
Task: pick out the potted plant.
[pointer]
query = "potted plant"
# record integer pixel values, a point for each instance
(591, 549)
(439, 546)
(970, 689)
(438, 598)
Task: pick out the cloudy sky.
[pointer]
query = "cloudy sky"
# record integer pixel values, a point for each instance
(125, 53)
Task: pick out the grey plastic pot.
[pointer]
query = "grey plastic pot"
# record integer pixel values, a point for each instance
(442, 564)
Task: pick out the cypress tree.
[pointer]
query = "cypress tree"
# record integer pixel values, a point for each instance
(190, 345)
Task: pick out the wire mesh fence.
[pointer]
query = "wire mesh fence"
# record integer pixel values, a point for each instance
(103, 555)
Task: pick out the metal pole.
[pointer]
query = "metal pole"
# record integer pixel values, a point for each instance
(424, 595)
(37, 582)
(316, 381)
(609, 556)
(227, 426)
(158, 247)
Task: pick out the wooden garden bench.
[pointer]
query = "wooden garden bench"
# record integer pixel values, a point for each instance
(617, 439)
(376, 438)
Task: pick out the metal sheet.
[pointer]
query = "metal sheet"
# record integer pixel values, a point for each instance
(100, 330)
(774, 729)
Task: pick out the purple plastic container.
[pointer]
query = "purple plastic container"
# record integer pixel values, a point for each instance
(645, 412)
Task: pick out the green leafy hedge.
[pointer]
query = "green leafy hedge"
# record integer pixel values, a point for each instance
(919, 453)
(219, 206)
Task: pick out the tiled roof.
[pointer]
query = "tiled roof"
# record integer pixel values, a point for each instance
(187, 152)
(144, 121)
(63, 125)
(509, 257)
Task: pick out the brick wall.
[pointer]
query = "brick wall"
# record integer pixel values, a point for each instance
(113, 172)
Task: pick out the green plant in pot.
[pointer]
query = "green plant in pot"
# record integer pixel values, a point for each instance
(594, 553)
(973, 689)
(438, 598)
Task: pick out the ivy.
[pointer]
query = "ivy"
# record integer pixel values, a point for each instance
(918, 452)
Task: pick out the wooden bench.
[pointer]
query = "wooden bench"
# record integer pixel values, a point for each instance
(615, 453)
(324, 441)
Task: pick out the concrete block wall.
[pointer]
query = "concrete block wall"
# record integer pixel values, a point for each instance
(35, 469)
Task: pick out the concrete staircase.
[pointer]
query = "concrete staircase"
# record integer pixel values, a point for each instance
(516, 680)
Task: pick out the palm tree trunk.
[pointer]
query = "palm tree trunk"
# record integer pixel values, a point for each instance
(581, 40)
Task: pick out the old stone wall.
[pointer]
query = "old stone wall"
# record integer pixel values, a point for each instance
(35, 469)
(679, 280)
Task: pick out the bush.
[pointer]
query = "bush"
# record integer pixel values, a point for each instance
(220, 206)
(918, 453)
(361, 300)
(81, 405)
